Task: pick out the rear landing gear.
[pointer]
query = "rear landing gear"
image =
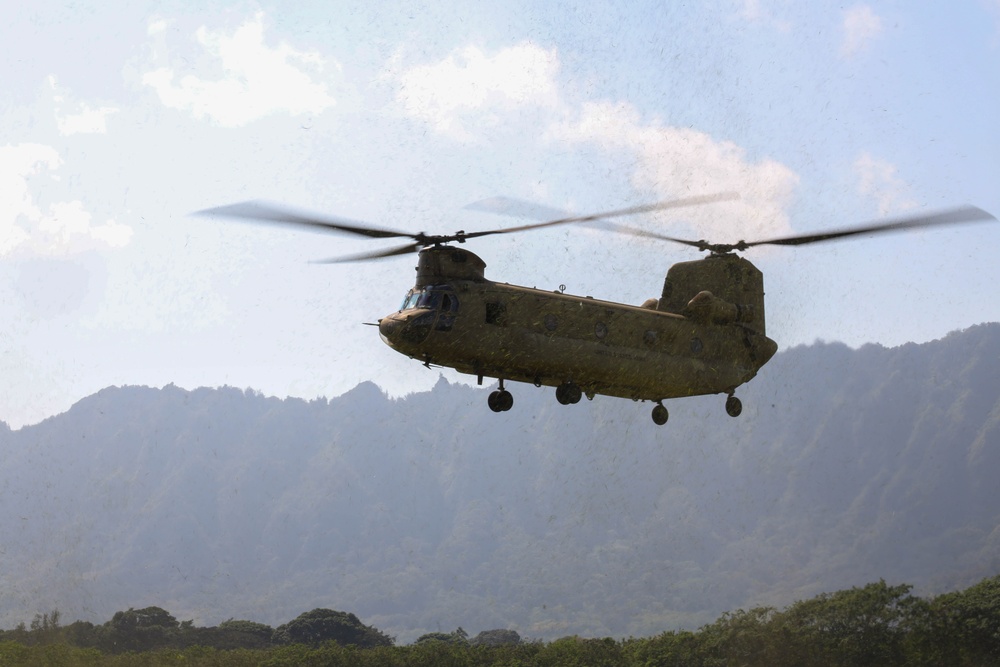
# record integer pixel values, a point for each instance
(568, 393)
(500, 400)
(733, 406)
(660, 414)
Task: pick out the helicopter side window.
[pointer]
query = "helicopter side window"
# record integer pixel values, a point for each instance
(449, 307)
(496, 313)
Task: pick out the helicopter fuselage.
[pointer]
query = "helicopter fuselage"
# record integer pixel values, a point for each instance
(457, 318)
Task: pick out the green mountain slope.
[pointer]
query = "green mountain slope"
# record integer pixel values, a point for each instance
(428, 512)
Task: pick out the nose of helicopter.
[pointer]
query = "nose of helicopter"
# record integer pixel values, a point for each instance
(388, 329)
(406, 328)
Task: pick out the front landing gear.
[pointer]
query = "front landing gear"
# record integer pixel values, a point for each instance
(500, 400)
(660, 414)
(733, 406)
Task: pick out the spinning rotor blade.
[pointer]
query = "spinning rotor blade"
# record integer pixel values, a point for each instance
(517, 207)
(391, 252)
(951, 216)
(962, 214)
(624, 229)
(264, 212)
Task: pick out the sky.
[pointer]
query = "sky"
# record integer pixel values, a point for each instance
(119, 120)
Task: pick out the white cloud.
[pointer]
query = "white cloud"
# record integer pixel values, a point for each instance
(67, 227)
(63, 228)
(877, 180)
(88, 121)
(861, 26)
(258, 80)
(17, 164)
(157, 26)
(677, 162)
(469, 85)
(752, 11)
(85, 121)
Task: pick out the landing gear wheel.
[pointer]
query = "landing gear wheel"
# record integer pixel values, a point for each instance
(660, 415)
(733, 406)
(500, 401)
(568, 393)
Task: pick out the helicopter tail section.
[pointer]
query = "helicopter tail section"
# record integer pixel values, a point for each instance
(719, 289)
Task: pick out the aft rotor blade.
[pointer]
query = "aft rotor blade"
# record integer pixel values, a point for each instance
(379, 254)
(265, 212)
(952, 216)
(625, 229)
(632, 210)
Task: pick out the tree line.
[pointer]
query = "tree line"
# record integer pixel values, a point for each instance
(877, 624)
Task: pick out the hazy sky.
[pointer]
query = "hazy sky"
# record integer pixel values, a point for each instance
(119, 119)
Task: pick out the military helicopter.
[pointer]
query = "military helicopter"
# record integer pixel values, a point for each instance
(705, 334)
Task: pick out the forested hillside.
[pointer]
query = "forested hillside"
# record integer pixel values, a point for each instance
(876, 625)
(428, 512)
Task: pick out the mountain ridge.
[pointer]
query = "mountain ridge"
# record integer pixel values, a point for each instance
(425, 512)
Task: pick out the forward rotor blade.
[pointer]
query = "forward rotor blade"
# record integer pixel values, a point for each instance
(516, 208)
(265, 212)
(962, 214)
(379, 254)
(270, 213)
(632, 210)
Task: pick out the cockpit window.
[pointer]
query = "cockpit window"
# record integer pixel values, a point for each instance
(411, 300)
(433, 298)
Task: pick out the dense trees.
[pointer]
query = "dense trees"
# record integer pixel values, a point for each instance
(140, 630)
(877, 624)
(496, 638)
(322, 625)
(964, 626)
(245, 634)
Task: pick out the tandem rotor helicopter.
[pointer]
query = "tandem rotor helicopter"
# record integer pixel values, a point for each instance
(705, 334)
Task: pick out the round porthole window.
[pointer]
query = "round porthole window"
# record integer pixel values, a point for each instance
(600, 330)
(649, 338)
(551, 322)
(696, 346)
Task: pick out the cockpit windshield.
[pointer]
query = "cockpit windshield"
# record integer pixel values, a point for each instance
(410, 301)
(433, 297)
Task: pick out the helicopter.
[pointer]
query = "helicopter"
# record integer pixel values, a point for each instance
(704, 335)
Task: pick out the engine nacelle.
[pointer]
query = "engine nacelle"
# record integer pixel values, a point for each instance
(706, 308)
